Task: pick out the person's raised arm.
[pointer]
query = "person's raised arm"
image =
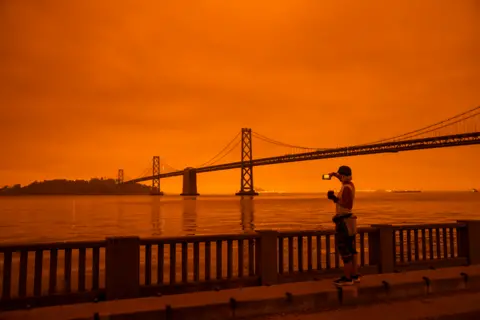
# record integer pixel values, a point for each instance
(334, 174)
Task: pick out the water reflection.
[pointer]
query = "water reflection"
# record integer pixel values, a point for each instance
(189, 216)
(74, 218)
(156, 219)
(247, 209)
(33, 219)
(120, 212)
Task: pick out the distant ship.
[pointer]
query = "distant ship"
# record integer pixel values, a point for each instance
(404, 191)
(474, 190)
(263, 191)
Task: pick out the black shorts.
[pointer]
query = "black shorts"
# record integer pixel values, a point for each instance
(346, 246)
(344, 242)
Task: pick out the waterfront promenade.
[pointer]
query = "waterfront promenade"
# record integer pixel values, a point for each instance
(135, 269)
(455, 289)
(456, 306)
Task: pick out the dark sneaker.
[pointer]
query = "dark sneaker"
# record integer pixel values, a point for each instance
(343, 281)
(356, 278)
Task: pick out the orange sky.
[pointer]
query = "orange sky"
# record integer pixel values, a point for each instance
(87, 86)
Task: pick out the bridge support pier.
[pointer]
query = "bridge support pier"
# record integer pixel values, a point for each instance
(246, 175)
(189, 182)
(156, 177)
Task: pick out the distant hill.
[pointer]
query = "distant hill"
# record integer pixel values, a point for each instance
(75, 187)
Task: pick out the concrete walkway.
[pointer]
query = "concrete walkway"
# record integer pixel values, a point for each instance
(464, 306)
(313, 296)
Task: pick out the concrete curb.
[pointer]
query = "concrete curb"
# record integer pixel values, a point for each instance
(394, 287)
(257, 301)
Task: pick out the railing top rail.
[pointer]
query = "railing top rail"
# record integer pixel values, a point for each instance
(13, 247)
(429, 226)
(294, 233)
(198, 238)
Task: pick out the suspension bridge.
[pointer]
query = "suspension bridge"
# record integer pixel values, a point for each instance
(458, 130)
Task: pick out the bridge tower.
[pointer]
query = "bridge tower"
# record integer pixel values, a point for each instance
(246, 175)
(120, 176)
(156, 179)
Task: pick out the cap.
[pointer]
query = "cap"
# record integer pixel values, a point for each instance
(345, 171)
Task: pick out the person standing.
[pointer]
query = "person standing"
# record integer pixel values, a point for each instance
(345, 225)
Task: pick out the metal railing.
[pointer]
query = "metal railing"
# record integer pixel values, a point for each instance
(170, 265)
(127, 267)
(430, 244)
(51, 273)
(309, 251)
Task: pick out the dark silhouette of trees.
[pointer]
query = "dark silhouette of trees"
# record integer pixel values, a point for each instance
(75, 187)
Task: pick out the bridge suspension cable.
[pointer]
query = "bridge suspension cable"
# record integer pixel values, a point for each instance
(148, 171)
(405, 136)
(145, 172)
(168, 167)
(443, 126)
(282, 144)
(432, 127)
(232, 148)
(228, 149)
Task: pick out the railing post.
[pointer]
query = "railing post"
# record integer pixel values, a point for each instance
(122, 268)
(381, 248)
(467, 238)
(268, 256)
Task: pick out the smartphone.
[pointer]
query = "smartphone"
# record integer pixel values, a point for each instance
(326, 177)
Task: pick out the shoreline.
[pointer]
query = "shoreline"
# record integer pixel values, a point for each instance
(73, 194)
(222, 194)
